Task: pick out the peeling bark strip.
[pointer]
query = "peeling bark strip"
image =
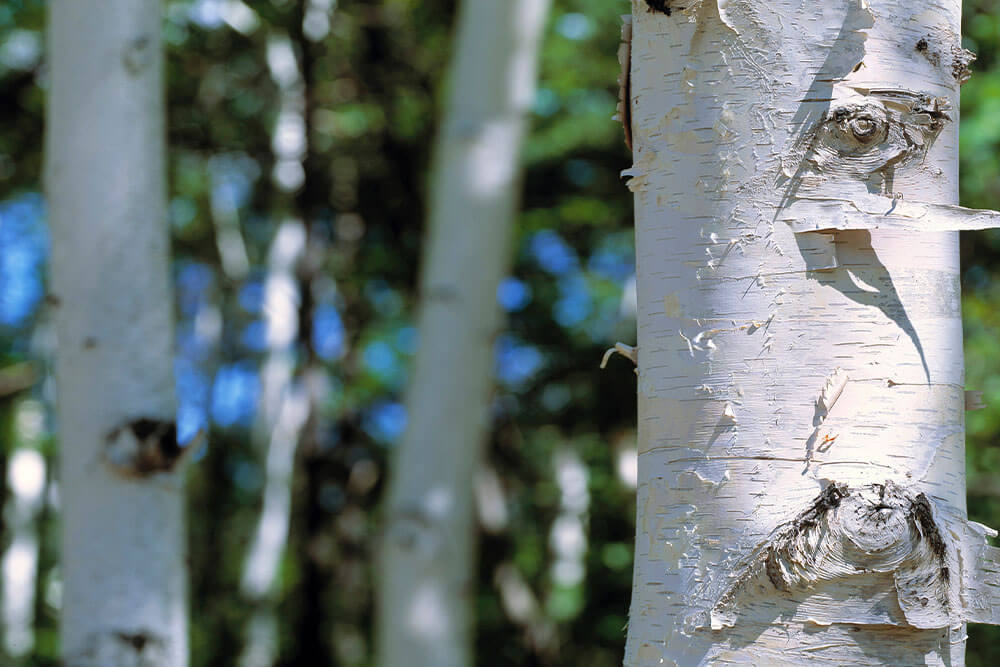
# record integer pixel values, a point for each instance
(624, 110)
(795, 163)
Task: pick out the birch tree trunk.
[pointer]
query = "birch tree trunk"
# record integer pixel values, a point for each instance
(801, 413)
(123, 564)
(426, 568)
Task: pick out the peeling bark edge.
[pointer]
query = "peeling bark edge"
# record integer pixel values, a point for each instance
(867, 212)
(944, 572)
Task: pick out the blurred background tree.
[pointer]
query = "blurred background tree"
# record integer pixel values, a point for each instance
(250, 154)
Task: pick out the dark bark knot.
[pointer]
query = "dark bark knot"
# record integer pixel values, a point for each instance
(413, 530)
(661, 6)
(144, 447)
(875, 528)
(867, 138)
(138, 54)
(136, 640)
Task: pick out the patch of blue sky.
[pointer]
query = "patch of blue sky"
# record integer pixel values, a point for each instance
(385, 422)
(24, 250)
(251, 295)
(552, 253)
(516, 362)
(254, 336)
(328, 335)
(513, 294)
(601, 327)
(234, 394)
(192, 386)
(575, 303)
(193, 281)
(614, 258)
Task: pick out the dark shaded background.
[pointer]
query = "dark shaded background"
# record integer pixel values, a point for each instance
(557, 528)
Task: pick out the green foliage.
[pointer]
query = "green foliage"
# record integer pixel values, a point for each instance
(980, 187)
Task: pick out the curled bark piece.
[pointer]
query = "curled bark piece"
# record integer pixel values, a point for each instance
(828, 396)
(624, 111)
(626, 351)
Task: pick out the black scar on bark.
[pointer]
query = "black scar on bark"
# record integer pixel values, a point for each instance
(157, 447)
(922, 514)
(661, 6)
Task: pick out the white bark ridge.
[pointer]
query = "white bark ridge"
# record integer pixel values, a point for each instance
(426, 572)
(123, 564)
(801, 411)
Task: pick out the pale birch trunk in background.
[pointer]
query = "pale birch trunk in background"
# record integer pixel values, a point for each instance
(283, 411)
(801, 414)
(123, 557)
(426, 572)
(284, 403)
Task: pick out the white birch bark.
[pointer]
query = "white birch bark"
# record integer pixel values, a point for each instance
(123, 564)
(801, 492)
(426, 571)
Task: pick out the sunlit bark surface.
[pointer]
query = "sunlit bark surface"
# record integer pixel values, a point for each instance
(801, 490)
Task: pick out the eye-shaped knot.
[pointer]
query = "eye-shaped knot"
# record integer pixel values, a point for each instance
(864, 128)
(856, 127)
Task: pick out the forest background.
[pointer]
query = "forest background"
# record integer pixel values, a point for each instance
(555, 496)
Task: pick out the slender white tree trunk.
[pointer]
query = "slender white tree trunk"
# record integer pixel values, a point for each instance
(426, 571)
(123, 564)
(283, 412)
(801, 450)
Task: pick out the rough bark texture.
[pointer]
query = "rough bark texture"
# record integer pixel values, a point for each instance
(801, 410)
(426, 569)
(123, 564)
